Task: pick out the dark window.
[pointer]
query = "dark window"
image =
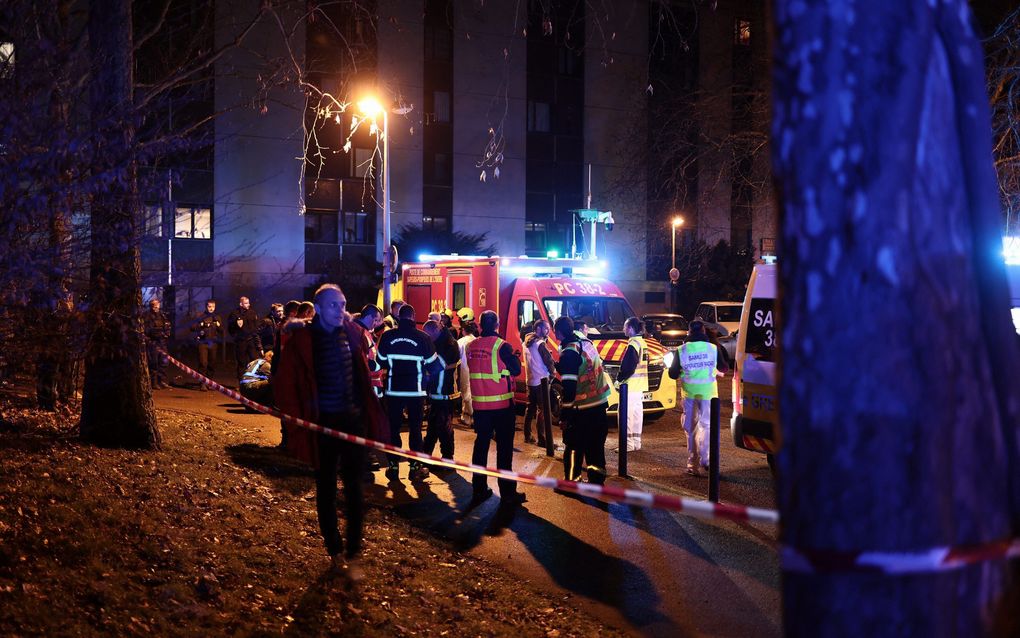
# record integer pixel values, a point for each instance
(459, 296)
(441, 106)
(538, 117)
(359, 227)
(320, 227)
(442, 172)
(570, 61)
(428, 222)
(153, 220)
(438, 44)
(534, 238)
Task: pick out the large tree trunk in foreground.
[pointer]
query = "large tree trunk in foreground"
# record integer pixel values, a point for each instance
(899, 389)
(117, 400)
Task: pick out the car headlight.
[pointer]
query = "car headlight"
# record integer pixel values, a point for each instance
(667, 359)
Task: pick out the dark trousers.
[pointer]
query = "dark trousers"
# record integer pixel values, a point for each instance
(584, 442)
(486, 423)
(351, 461)
(440, 428)
(207, 359)
(245, 351)
(534, 406)
(395, 407)
(157, 362)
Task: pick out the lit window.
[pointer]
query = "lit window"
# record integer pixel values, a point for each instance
(191, 222)
(742, 32)
(6, 59)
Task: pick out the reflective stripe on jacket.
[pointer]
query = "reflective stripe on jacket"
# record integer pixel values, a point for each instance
(489, 376)
(638, 382)
(697, 362)
(592, 385)
(445, 386)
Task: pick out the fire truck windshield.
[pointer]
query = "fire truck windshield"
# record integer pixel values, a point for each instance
(601, 314)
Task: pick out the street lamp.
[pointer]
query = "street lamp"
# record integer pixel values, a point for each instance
(677, 222)
(674, 274)
(370, 107)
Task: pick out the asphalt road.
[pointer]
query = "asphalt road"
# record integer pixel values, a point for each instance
(650, 572)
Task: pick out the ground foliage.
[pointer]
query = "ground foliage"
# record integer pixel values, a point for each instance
(214, 535)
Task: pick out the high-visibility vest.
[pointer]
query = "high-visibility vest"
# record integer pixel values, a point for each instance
(376, 374)
(449, 370)
(488, 375)
(697, 362)
(592, 385)
(638, 382)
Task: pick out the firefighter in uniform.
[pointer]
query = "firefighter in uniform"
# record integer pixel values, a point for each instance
(443, 390)
(370, 318)
(407, 355)
(697, 365)
(634, 371)
(492, 365)
(585, 399)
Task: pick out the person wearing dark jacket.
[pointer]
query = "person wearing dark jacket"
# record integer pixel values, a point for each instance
(270, 325)
(492, 365)
(443, 390)
(243, 326)
(322, 376)
(584, 403)
(208, 329)
(157, 334)
(407, 354)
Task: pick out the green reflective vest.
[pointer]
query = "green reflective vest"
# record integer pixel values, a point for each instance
(697, 379)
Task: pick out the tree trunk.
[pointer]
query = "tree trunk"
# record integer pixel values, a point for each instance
(117, 400)
(900, 407)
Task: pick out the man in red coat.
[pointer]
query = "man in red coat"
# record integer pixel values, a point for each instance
(323, 377)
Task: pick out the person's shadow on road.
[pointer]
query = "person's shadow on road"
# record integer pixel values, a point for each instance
(285, 472)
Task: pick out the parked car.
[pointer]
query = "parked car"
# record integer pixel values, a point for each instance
(721, 316)
(669, 329)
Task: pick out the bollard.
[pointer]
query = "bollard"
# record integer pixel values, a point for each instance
(621, 415)
(713, 452)
(550, 448)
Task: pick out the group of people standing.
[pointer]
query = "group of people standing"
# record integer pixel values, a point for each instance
(365, 374)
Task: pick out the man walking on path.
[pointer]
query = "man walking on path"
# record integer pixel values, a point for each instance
(243, 326)
(585, 400)
(492, 365)
(323, 377)
(539, 365)
(698, 364)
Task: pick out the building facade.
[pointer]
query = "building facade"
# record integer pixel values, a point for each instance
(504, 118)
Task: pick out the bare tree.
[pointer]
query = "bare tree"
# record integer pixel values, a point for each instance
(900, 407)
(1003, 65)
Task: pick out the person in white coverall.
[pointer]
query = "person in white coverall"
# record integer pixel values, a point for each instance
(634, 371)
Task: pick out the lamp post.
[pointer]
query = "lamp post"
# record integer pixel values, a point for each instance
(371, 107)
(674, 274)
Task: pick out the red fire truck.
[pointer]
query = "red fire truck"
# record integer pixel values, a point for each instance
(521, 290)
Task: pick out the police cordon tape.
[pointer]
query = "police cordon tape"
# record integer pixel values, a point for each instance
(704, 509)
(791, 559)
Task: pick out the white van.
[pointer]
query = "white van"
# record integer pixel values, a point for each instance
(755, 421)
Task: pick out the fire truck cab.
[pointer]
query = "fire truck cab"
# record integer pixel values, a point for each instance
(521, 290)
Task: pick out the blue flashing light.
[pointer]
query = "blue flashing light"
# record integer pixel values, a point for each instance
(552, 254)
(1011, 250)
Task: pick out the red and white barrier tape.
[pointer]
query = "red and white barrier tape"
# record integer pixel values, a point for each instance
(705, 509)
(936, 559)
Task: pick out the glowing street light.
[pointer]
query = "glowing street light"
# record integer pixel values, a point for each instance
(370, 107)
(677, 222)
